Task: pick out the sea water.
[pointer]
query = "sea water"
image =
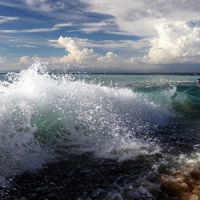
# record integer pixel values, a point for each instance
(47, 116)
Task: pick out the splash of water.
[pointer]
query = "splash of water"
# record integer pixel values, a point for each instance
(41, 113)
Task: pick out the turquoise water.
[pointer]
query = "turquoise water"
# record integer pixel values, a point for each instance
(175, 92)
(45, 116)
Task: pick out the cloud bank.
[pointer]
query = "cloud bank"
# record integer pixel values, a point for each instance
(176, 42)
(112, 35)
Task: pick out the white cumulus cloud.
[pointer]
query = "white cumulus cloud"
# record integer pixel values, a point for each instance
(176, 42)
(76, 54)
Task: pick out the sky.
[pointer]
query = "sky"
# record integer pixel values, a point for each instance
(114, 36)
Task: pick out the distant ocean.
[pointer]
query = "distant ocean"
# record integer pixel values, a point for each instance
(136, 126)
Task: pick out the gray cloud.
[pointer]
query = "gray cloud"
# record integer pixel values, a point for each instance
(138, 17)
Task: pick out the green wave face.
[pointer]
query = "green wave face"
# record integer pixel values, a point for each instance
(186, 101)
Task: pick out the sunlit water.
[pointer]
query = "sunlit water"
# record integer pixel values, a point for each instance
(149, 119)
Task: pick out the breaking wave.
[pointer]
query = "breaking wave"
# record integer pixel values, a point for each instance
(42, 114)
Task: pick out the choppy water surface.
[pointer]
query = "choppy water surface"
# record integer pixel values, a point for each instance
(132, 127)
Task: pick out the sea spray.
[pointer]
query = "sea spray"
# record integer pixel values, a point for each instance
(41, 113)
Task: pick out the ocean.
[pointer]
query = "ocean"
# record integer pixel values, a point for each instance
(110, 137)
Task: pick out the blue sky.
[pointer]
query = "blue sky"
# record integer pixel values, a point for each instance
(101, 35)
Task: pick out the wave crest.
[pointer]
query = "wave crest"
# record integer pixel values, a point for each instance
(43, 112)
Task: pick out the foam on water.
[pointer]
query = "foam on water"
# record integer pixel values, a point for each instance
(182, 182)
(42, 113)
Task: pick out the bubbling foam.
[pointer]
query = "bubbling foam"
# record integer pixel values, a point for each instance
(183, 182)
(41, 113)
